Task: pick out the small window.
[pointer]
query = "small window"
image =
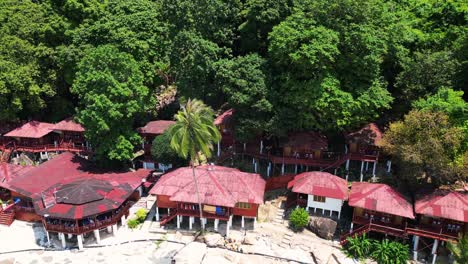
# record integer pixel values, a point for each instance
(243, 205)
(319, 199)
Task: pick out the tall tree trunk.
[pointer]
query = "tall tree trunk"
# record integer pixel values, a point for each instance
(198, 193)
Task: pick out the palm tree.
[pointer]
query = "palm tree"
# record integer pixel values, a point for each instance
(460, 249)
(193, 135)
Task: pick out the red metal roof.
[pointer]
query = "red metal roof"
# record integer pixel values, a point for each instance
(369, 135)
(217, 185)
(307, 140)
(9, 172)
(224, 118)
(156, 127)
(67, 169)
(381, 198)
(32, 129)
(68, 125)
(321, 184)
(443, 203)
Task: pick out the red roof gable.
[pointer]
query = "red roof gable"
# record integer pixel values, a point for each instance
(443, 203)
(320, 184)
(369, 135)
(68, 125)
(224, 118)
(67, 169)
(381, 198)
(9, 172)
(218, 185)
(307, 140)
(32, 129)
(156, 127)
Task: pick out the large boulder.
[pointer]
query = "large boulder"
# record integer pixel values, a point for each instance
(191, 254)
(322, 226)
(211, 240)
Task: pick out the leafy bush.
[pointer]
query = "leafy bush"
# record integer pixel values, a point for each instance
(141, 215)
(133, 223)
(299, 218)
(459, 250)
(358, 247)
(382, 251)
(163, 153)
(389, 252)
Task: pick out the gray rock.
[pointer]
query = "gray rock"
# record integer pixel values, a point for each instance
(250, 239)
(322, 226)
(192, 253)
(211, 240)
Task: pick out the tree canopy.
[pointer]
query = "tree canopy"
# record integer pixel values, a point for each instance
(110, 86)
(283, 65)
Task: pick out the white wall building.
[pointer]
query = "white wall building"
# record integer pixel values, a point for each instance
(325, 192)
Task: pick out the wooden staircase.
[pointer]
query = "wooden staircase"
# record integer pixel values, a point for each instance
(356, 232)
(168, 218)
(7, 217)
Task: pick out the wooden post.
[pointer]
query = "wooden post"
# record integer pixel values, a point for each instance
(219, 148)
(261, 146)
(282, 169)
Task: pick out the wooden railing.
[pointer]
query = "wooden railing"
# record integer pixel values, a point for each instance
(98, 224)
(62, 146)
(432, 232)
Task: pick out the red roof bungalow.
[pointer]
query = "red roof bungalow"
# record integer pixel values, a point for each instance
(37, 136)
(224, 193)
(69, 196)
(224, 122)
(442, 214)
(321, 192)
(33, 136)
(380, 208)
(148, 133)
(362, 144)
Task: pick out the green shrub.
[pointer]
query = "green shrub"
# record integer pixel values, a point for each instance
(389, 252)
(358, 247)
(299, 218)
(133, 223)
(141, 215)
(382, 251)
(459, 250)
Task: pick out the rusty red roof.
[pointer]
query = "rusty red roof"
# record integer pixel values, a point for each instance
(65, 170)
(32, 129)
(369, 135)
(224, 118)
(218, 185)
(381, 198)
(443, 203)
(10, 171)
(307, 140)
(156, 127)
(320, 184)
(68, 125)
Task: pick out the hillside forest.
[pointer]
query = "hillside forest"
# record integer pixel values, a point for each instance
(283, 65)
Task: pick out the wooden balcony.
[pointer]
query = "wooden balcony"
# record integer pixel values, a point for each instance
(80, 229)
(435, 232)
(35, 148)
(378, 225)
